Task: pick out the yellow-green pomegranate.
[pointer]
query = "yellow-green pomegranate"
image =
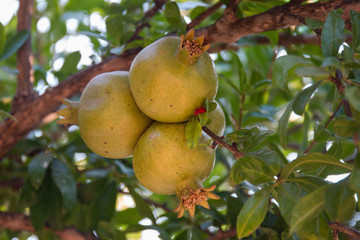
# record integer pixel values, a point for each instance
(173, 76)
(164, 164)
(217, 120)
(109, 120)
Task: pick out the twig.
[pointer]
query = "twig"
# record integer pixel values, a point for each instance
(24, 59)
(220, 141)
(220, 235)
(20, 222)
(204, 15)
(336, 226)
(144, 20)
(328, 121)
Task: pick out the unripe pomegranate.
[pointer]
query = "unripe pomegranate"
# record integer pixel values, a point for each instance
(217, 120)
(173, 76)
(164, 164)
(109, 120)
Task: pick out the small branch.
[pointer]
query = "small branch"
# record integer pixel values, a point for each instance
(144, 20)
(24, 59)
(336, 226)
(220, 141)
(20, 222)
(204, 15)
(220, 235)
(328, 121)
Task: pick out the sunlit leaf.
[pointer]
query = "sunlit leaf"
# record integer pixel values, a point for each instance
(354, 178)
(173, 16)
(345, 127)
(193, 132)
(2, 37)
(303, 97)
(13, 43)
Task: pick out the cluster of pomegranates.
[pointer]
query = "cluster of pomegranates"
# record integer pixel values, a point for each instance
(143, 113)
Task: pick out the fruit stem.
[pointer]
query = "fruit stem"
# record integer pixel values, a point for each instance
(191, 48)
(69, 114)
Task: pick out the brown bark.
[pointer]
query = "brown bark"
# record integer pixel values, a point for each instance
(21, 222)
(226, 29)
(24, 60)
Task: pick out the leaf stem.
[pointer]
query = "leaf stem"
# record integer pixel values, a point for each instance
(220, 141)
(336, 226)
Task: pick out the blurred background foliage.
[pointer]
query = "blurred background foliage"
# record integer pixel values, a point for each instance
(281, 101)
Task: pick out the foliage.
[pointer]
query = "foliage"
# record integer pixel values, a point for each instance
(293, 110)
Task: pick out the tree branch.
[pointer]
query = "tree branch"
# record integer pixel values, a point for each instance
(31, 112)
(220, 235)
(24, 59)
(290, 14)
(204, 15)
(20, 222)
(336, 226)
(220, 141)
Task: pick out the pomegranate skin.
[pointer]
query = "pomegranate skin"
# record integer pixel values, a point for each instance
(166, 85)
(164, 164)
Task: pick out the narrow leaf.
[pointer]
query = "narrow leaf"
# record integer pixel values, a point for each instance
(37, 168)
(104, 206)
(173, 16)
(307, 209)
(283, 123)
(355, 20)
(193, 132)
(354, 179)
(303, 98)
(64, 180)
(2, 37)
(314, 23)
(253, 213)
(344, 127)
(313, 160)
(353, 93)
(7, 115)
(13, 44)
(281, 67)
(332, 34)
(241, 72)
(339, 201)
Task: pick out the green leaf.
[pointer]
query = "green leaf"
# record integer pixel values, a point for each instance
(332, 34)
(345, 127)
(173, 16)
(193, 132)
(312, 160)
(283, 123)
(241, 72)
(2, 37)
(7, 115)
(355, 20)
(93, 34)
(354, 178)
(70, 65)
(203, 118)
(13, 44)
(336, 149)
(331, 62)
(307, 209)
(251, 169)
(141, 205)
(281, 67)
(37, 168)
(353, 93)
(308, 183)
(253, 213)
(303, 97)
(314, 23)
(258, 136)
(228, 81)
(104, 206)
(311, 71)
(64, 180)
(88, 193)
(339, 201)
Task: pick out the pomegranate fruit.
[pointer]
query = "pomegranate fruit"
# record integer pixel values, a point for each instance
(217, 120)
(109, 120)
(172, 76)
(164, 164)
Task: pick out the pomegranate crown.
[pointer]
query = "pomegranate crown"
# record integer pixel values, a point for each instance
(191, 48)
(191, 198)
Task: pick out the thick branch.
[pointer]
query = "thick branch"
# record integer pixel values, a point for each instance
(224, 234)
(274, 19)
(30, 113)
(220, 141)
(21, 222)
(24, 56)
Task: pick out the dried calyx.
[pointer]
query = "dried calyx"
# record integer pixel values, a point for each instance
(69, 114)
(191, 48)
(191, 198)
